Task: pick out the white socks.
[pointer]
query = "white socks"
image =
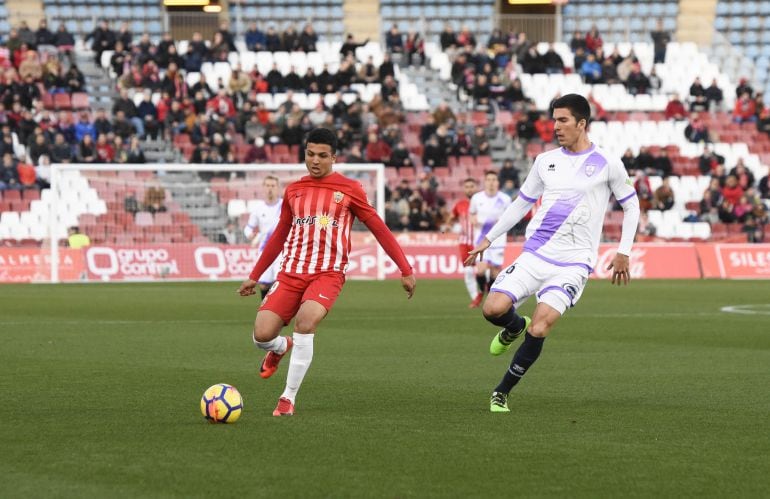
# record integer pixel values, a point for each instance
(277, 344)
(301, 356)
(469, 276)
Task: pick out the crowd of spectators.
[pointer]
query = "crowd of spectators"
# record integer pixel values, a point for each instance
(227, 123)
(36, 64)
(734, 196)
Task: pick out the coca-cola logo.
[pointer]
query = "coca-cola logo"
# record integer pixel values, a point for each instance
(636, 258)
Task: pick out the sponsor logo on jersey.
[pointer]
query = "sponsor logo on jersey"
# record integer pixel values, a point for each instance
(552, 167)
(324, 220)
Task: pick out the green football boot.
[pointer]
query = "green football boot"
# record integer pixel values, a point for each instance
(499, 402)
(499, 345)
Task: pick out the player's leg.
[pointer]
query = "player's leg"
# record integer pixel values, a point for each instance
(510, 289)
(559, 291)
(481, 276)
(278, 307)
(528, 352)
(469, 276)
(318, 299)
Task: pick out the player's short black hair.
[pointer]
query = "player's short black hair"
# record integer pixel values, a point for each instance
(322, 136)
(577, 104)
(470, 179)
(490, 172)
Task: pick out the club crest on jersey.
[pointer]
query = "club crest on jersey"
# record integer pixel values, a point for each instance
(338, 197)
(590, 169)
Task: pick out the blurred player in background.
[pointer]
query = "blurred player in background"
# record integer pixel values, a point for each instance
(465, 228)
(485, 210)
(562, 240)
(262, 221)
(317, 213)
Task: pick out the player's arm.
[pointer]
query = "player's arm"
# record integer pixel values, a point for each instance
(623, 189)
(272, 249)
(252, 226)
(384, 236)
(518, 209)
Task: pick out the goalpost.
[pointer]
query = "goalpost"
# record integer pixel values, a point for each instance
(171, 222)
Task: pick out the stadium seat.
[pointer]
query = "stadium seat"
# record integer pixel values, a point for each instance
(143, 218)
(80, 100)
(62, 101)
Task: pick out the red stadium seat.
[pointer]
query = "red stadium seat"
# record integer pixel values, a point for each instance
(163, 219)
(484, 162)
(12, 195)
(62, 101)
(47, 100)
(31, 195)
(80, 100)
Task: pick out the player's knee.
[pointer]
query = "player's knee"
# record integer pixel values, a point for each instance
(492, 309)
(305, 325)
(539, 329)
(261, 334)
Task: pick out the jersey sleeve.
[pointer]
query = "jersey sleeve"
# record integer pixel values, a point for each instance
(359, 204)
(455, 211)
(533, 186)
(251, 225)
(622, 186)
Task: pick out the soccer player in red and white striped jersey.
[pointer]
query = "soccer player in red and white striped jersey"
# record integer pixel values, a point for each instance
(314, 234)
(466, 240)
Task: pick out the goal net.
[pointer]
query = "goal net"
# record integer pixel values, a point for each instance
(164, 222)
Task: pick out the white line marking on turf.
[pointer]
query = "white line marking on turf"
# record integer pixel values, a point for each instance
(748, 309)
(119, 322)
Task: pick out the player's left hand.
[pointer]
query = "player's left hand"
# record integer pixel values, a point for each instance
(478, 250)
(247, 288)
(409, 283)
(621, 274)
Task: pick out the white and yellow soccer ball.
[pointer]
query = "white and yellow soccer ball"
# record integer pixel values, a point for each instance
(221, 403)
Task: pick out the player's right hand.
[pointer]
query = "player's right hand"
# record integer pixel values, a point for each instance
(409, 283)
(478, 250)
(247, 288)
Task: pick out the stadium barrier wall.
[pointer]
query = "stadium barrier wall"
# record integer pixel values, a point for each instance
(434, 256)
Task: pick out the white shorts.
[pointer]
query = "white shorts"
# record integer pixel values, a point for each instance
(271, 273)
(494, 256)
(558, 286)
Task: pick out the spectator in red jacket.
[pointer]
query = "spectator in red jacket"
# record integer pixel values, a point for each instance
(593, 40)
(377, 150)
(745, 109)
(675, 109)
(222, 104)
(544, 128)
(732, 192)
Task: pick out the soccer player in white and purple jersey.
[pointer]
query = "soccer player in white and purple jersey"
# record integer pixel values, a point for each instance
(574, 183)
(262, 221)
(485, 209)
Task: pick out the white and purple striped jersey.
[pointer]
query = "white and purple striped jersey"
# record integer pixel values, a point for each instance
(263, 219)
(575, 190)
(485, 211)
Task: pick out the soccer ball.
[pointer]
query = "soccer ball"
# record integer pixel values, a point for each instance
(221, 403)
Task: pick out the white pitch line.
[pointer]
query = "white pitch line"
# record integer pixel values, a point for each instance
(248, 321)
(748, 309)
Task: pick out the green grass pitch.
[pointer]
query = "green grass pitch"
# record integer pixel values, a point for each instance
(645, 391)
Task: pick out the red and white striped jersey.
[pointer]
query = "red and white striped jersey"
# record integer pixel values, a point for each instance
(321, 213)
(461, 213)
